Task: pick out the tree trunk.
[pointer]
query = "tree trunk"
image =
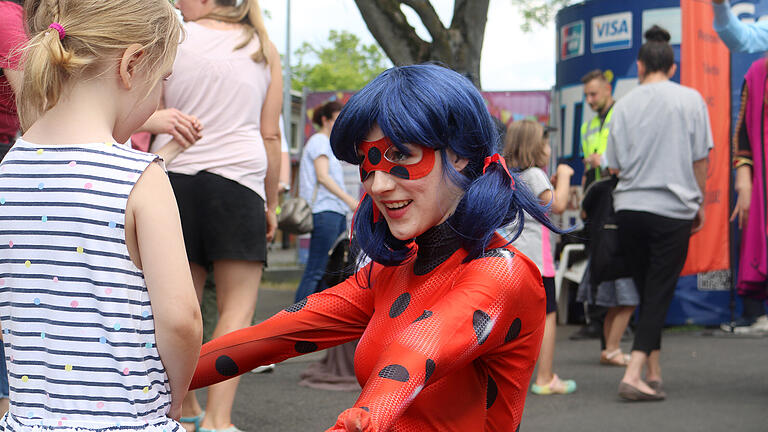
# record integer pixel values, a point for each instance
(459, 46)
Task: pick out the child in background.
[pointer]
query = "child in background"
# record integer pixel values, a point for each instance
(99, 316)
(526, 147)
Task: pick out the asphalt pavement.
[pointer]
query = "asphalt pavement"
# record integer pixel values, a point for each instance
(713, 382)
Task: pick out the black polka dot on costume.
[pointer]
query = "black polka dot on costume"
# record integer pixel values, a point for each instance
(365, 409)
(426, 314)
(304, 347)
(514, 330)
(226, 366)
(395, 372)
(480, 322)
(491, 393)
(401, 172)
(374, 155)
(430, 369)
(400, 305)
(297, 306)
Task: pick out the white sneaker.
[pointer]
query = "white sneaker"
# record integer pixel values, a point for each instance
(264, 369)
(759, 327)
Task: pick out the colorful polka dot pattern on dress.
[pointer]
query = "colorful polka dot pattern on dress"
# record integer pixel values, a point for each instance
(77, 314)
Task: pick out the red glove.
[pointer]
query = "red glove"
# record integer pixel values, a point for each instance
(353, 420)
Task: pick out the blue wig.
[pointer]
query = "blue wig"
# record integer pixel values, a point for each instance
(438, 108)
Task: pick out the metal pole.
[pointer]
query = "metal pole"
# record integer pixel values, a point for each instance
(287, 74)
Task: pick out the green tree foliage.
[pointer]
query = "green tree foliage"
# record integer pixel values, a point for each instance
(342, 64)
(540, 12)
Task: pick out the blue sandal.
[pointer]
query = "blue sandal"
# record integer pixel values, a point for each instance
(231, 428)
(195, 420)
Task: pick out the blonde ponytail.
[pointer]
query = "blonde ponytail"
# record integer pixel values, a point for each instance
(96, 32)
(248, 14)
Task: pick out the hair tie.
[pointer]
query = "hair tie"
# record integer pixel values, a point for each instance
(59, 28)
(496, 158)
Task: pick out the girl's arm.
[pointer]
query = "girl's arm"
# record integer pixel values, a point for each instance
(323, 178)
(562, 181)
(153, 215)
(270, 132)
(331, 317)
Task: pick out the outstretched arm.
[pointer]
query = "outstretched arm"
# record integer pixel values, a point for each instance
(739, 36)
(332, 317)
(497, 300)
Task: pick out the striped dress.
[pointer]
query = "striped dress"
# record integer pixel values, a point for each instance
(76, 318)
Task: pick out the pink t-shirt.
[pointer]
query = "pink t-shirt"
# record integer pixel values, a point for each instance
(12, 38)
(225, 89)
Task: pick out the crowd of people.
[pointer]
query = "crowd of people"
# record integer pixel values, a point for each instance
(137, 168)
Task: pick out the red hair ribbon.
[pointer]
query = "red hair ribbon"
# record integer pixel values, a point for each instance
(496, 158)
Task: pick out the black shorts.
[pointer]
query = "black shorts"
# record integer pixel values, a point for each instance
(221, 219)
(549, 288)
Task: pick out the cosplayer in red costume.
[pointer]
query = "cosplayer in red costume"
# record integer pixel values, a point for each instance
(450, 318)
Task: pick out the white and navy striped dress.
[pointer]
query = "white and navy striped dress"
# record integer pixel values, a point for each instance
(77, 322)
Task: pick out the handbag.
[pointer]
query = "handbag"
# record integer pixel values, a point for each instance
(296, 215)
(608, 261)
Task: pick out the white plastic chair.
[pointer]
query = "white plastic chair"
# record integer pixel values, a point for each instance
(571, 271)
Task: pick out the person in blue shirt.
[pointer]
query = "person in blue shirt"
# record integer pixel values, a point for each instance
(737, 35)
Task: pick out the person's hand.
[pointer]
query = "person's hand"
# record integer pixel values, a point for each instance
(351, 202)
(563, 171)
(595, 160)
(271, 224)
(741, 210)
(698, 221)
(353, 420)
(185, 129)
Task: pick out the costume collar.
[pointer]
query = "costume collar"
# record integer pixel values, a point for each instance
(435, 246)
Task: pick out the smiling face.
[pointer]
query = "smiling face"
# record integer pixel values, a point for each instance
(411, 207)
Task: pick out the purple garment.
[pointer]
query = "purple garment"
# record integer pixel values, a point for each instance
(753, 265)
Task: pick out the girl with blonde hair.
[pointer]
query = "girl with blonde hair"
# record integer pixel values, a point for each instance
(526, 147)
(97, 306)
(227, 74)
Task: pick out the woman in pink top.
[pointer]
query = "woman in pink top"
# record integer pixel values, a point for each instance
(227, 74)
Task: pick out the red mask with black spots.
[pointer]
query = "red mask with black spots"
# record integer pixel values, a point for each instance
(383, 155)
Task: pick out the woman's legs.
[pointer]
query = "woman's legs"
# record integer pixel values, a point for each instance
(327, 227)
(664, 242)
(191, 407)
(237, 285)
(653, 367)
(616, 322)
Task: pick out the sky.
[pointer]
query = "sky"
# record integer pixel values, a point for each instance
(511, 59)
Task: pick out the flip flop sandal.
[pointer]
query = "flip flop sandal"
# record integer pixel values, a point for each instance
(195, 420)
(614, 358)
(231, 428)
(556, 386)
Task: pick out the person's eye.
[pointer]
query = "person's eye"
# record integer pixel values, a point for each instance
(398, 156)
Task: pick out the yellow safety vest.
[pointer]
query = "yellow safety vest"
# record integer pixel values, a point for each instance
(594, 136)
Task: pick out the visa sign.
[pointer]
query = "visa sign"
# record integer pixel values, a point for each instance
(612, 32)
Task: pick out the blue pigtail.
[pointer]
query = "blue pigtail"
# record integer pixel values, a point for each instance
(490, 203)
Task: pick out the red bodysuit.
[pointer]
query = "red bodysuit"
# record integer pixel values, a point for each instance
(444, 345)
